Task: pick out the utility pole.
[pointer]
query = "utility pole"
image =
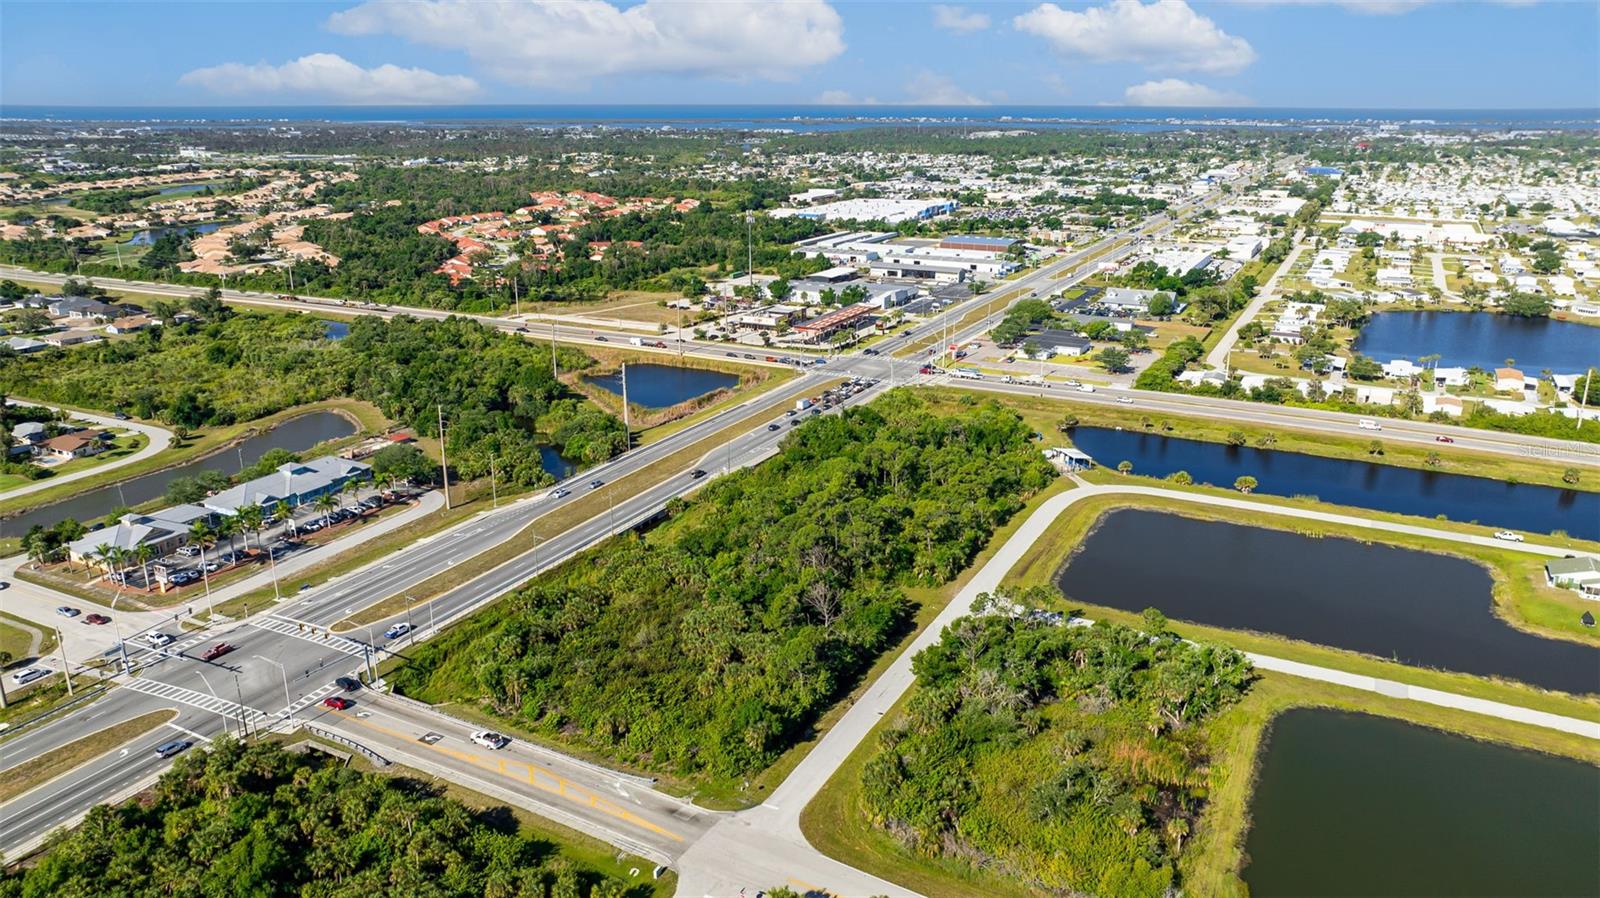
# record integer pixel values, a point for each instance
(627, 428)
(444, 464)
(750, 250)
(1583, 401)
(554, 374)
(516, 299)
(66, 666)
(494, 491)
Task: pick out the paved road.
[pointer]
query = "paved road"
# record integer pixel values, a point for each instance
(158, 440)
(1218, 357)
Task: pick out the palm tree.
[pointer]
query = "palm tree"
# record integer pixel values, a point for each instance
(229, 527)
(103, 551)
(142, 553)
(1245, 484)
(250, 519)
(325, 503)
(202, 536)
(285, 513)
(352, 488)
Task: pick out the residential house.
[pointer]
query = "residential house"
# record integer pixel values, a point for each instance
(1581, 574)
(1508, 379)
(80, 444)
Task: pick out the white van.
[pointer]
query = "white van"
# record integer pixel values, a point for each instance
(1369, 424)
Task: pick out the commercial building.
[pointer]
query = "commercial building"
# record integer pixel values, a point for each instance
(163, 531)
(892, 211)
(883, 296)
(296, 483)
(821, 328)
(1053, 341)
(1127, 299)
(996, 245)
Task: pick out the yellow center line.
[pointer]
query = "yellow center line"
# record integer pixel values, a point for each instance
(560, 787)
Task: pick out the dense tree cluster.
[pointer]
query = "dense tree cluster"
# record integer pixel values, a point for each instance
(500, 398)
(257, 820)
(1071, 759)
(711, 645)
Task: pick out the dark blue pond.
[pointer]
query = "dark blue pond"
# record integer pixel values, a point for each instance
(553, 463)
(659, 386)
(1417, 608)
(1538, 509)
(149, 236)
(335, 329)
(1484, 339)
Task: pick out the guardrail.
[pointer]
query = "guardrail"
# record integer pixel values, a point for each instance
(87, 694)
(347, 742)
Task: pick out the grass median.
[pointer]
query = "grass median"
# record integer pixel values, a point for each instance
(589, 505)
(48, 766)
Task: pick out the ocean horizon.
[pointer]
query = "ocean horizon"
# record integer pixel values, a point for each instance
(804, 117)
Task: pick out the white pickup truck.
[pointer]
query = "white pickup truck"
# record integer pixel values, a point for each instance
(1369, 424)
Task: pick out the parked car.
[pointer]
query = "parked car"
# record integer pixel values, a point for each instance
(120, 416)
(68, 611)
(97, 619)
(348, 684)
(397, 631)
(1508, 536)
(337, 703)
(188, 551)
(176, 746)
(490, 739)
(28, 675)
(216, 651)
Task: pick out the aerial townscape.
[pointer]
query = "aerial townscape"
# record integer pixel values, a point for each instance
(780, 448)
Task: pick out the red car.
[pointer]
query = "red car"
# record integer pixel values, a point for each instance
(337, 703)
(1443, 440)
(96, 619)
(216, 651)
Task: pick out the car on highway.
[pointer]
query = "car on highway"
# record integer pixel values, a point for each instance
(602, 340)
(1508, 536)
(176, 746)
(596, 483)
(120, 416)
(490, 739)
(773, 426)
(216, 651)
(560, 493)
(337, 703)
(28, 675)
(157, 638)
(97, 619)
(397, 631)
(1125, 400)
(697, 474)
(348, 684)
(68, 611)
(5, 584)
(1444, 439)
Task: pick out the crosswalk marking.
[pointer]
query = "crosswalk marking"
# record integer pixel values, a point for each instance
(310, 634)
(203, 701)
(313, 697)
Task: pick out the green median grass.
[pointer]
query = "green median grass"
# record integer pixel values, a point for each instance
(48, 766)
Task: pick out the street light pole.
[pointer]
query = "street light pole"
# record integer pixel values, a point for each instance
(201, 674)
(288, 703)
(66, 666)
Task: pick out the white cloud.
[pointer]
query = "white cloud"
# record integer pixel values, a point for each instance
(567, 42)
(958, 19)
(930, 89)
(329, 76)
(1165, 34)
(1177, 92)
(843, 98)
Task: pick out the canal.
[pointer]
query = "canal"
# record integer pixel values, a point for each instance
(1482, 339)
(659, 386)
(1537, 509)
(1355, 805)
(296, 435)
(1417, 608)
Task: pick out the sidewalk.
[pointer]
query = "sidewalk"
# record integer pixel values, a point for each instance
(159, 440)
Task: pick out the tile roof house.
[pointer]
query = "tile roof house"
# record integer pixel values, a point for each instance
(81, 444)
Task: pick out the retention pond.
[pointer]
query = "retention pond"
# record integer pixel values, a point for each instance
(1355, 805)
(1537, 509)
(1418, 608)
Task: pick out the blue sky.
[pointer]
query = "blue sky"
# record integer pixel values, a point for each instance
(1270, 53)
